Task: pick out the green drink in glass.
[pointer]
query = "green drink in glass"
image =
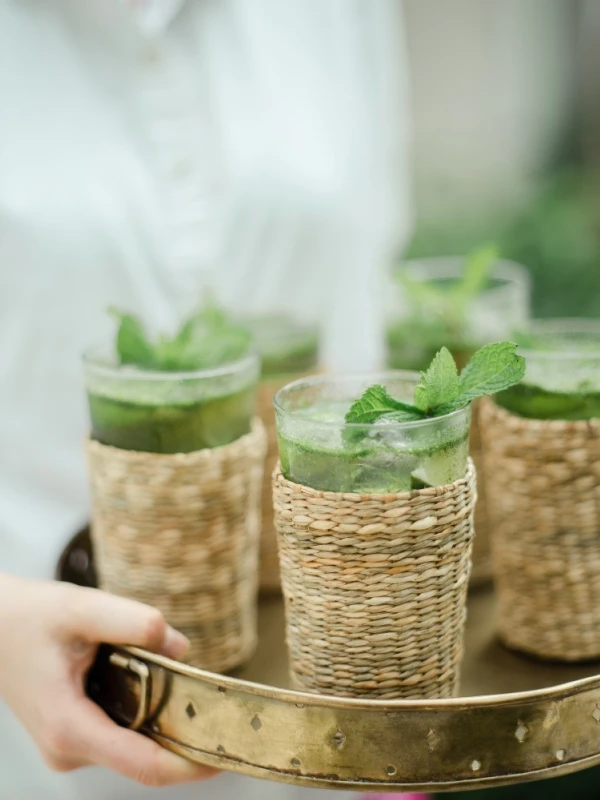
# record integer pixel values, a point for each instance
(374, 505)
(318, 448)
(192, 392)
(562, 379)
(463, 304)
(391, 432)
(460, 303)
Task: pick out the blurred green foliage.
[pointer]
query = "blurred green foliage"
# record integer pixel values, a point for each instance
(557, 236)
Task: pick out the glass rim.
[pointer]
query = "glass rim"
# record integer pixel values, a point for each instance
(133, 373)
(448, 267)
(560, 325)
(374, 377)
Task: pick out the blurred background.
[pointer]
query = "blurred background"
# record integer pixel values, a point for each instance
(506, 138)
(104, 126)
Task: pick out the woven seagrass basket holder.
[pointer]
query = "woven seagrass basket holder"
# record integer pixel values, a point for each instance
(270, 579)
(543, 490)
(181, 532)
(375, 587)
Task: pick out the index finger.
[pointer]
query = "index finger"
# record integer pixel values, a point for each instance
(104, 617)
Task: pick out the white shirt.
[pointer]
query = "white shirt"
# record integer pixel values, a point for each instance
(148, 147)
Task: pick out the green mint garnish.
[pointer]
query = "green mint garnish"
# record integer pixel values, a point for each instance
(441, 390)
(475, 274)
(439, 384)
(492, 369)
(442, 306)
(207, 339)
(133, 345)
(375, 403)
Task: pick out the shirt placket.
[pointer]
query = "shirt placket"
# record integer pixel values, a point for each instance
(174, 104)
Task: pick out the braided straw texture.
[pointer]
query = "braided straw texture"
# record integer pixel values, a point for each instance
(481, 572)
(543, 488)
(375, 587)
(181, 533)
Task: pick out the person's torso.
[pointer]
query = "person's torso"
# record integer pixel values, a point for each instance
(136, 166)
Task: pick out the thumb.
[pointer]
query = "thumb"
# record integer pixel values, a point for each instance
(98, 616)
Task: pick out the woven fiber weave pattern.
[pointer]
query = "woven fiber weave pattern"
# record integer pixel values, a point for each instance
(375, 587)
(181, 532)
(543, 487)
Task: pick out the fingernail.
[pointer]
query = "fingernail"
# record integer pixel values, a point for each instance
(176, 644)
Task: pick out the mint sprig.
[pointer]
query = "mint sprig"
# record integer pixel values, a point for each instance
(442, 306)
(476, 270)
(492, 369)
(375, 403)
(206, 339)
(439, 384)
(441, 390)
(133, 345)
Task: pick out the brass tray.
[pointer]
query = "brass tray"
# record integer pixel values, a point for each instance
(518, 719)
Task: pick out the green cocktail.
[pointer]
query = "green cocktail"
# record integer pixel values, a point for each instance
(435, 302)
(562, 378)
(463, 304)
(193, 391)
(162, 412)
(318, 448)
(286, 346)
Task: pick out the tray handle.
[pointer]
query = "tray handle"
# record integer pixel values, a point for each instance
(142, 672)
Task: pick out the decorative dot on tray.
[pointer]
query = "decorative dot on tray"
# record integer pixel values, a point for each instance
(521, 733)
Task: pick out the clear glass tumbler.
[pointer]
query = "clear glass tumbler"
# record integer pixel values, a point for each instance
(169, 412)
(562, 377)
(319, 449)
(419, 323)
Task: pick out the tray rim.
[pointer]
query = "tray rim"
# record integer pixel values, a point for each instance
(312, 782)
(414, 707)
(554, 692)
(551, 693)
(411, 713)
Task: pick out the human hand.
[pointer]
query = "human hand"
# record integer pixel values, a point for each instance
(49, 635)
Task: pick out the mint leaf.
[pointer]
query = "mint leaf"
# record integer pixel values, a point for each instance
(375, 403)
(492, 369)
(207, 339)
(441, 390)
(133, 345)
(441, 306)
(438, 384)
(475, 273)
